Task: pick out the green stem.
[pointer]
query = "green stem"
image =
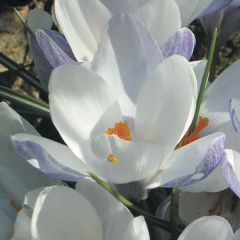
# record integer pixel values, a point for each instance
(204, 81)
(174, 213)
(160, 223)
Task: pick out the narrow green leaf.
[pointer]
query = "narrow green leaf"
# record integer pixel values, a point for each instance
(23, 73)
(204, 81)
(29, 102)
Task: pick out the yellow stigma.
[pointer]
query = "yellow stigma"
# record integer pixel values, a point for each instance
(120, 129)
(112, 158)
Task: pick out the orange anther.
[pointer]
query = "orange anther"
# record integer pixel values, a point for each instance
(202, 123)
(120, 129)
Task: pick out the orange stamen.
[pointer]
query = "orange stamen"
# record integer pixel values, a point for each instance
(120, 129)
(202, 123)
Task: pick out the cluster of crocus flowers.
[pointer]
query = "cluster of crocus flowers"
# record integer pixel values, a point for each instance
(122, 95)
(112, 113)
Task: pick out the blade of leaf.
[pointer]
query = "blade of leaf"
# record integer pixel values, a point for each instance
(25, 100)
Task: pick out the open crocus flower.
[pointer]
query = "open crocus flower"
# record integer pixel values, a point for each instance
(160, 18)
(115, 116)
(211, 228)
(91, 213)
(222, 115)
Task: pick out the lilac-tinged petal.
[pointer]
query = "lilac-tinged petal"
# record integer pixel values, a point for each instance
(55, 47)
(42, 66)
(234, 110)
(215, 6)
(181, 43)
(231, 170)
(50, 157)
(214, 182)
(191, 163)
(211, 160)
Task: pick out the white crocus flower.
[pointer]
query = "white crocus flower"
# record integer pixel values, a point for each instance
(218, 108)
(222, 108)
(211, 228)
(83, 23)
(59, 213)
(124, 119)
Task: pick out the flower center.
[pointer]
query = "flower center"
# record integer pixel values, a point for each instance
(202, 123)
(120, 129)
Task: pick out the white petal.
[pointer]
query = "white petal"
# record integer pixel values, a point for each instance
(161, 18)
(13, 170)
(156, 121)
(190, 163)
(31, 198)
(78, 99)
(199, 68)
(231, 170)
(82, 23)
(61, 213)
(190, 10)
(22, 228)
(210, 228)
(214, 182)
(126, 55)
(220, 121)
(48, 156)
(135, 160)
(224, 88)
(122, 225)
(137, 230)
(123, 6)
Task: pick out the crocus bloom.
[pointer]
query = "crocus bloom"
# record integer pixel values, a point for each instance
(83, 39)
(216, 108)
(224, 116)
(115, 116)
(59, 213)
